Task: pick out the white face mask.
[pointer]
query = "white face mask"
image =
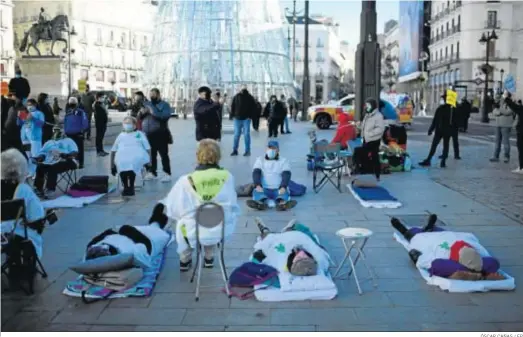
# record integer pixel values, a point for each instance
(441, 102)
(271, 153)
(368, 107)
(128, 127)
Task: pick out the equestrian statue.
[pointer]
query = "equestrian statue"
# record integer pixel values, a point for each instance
(45, 30)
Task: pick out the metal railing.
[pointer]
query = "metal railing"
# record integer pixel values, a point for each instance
(492, 24)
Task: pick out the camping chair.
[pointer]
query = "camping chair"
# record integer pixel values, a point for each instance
(209, 215)
(331, 166)
(143, 172)
(18, 257)
(69, 178)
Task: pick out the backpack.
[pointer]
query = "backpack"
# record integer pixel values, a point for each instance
(251, 274)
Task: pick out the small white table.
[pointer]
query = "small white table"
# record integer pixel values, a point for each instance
(354, 239)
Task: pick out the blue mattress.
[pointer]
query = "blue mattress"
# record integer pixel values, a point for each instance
(373, 193)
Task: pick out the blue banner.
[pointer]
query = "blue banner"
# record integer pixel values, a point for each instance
(411, 38)
(510, 84)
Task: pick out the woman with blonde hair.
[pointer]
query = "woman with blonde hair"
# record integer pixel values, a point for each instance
(130, 153)
(208, 183)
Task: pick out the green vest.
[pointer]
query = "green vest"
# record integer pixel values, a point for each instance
(208, 183)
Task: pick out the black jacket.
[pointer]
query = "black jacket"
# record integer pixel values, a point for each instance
(243, 106)
(442, 121)
(207, 115)
(518, 111)
(11, 130)
(47, 129)
(100, 114)
(278, 112)
(20, 86)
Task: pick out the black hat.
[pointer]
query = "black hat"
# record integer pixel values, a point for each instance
(204, 89)
(373, 103)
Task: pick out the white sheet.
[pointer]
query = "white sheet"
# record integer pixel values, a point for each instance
(66, 201)
(459, 286)
(374, 203)
(276, 295)
(291, 283)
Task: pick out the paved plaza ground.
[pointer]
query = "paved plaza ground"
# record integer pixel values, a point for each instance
(471, 195)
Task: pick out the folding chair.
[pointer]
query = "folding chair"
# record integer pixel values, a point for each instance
(331, 166)
(69, 178)
(14, 210)
(142, 180)
(209, 215)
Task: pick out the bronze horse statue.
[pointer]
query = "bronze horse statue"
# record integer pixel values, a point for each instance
(53, 32)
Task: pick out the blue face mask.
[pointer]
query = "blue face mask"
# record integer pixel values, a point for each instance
(31, 108)
(271, 153)
(18, 75)
(128, 127)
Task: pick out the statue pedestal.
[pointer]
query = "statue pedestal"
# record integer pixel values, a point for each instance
(45, 74)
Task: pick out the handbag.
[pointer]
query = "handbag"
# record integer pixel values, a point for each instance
(112, 280)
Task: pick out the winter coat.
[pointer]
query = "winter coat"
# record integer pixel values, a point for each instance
(373, 126)
(207, 115)
(504, 116)
(278, 111)
(155, 120)
(243, 106)
(47, 130)
(344, 132)
(75, 122)
(442, 121)
(100, 115)
(88, 101)
(518, 111)
(11, 130)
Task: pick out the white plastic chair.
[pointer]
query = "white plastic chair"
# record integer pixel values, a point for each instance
(209, 215)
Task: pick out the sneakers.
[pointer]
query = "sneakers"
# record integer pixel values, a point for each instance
(518, 170)
(283, 206)
(185, 266)
(234, 153)
(247, 153)
(425, 163)
(128, 192)
(166, 178)
(506, 160)
(102, 154)
(493, 160)
(257, 205)
(208, 263)
(150, 176)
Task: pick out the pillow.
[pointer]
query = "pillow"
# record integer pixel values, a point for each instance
(104, 264)
(159, 238)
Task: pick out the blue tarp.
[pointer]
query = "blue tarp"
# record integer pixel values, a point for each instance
(377, 193)
(388, 110)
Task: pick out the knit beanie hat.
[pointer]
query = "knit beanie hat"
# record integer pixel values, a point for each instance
(466, 255)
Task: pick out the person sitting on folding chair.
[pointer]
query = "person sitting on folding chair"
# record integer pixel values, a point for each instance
(14, 173)
(208, 183)
(345, 131)
(130, 153)
(56, 156)
(144, 242)
(271, 176)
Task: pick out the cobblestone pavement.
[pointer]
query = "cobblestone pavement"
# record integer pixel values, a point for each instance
(401, 302)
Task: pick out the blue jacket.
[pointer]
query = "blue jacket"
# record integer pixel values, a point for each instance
(35, 125)
(75, 122)
(160, 114)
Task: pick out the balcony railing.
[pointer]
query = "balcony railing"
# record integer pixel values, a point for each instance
(492, 24)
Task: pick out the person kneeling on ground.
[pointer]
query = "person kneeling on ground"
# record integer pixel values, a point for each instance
(271, 177)
(56, 156)
(144, 242)
(130, 153)
(448, 254)
(208, 183)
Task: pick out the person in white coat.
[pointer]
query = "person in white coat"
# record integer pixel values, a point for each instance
(372, 129)
(208, 183)
(130, 153)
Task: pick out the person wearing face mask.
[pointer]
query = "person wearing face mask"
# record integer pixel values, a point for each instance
(207, 115)
(88, 100)
(20, 85)
(32, 124)
(442, 127)
(100, 121)
(56, 156)
(47, 110)
(271, 176)
(372, 129)
(155, 126)
(517, 109)
(130, 153)
(75, 125)
(275, 114)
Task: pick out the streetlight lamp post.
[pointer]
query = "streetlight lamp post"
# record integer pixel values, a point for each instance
(70, 32)
(293, 14)
(306, 81)
(502, 72)
(485, 39)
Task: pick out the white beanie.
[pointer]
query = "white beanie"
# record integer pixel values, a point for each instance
(73, 100)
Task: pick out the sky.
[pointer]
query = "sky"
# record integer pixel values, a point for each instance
(347, 14)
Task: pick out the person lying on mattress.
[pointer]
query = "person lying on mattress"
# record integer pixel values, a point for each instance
(208, 183)
(295, 249)
(144, 242)
(447, 254)
(271, 176)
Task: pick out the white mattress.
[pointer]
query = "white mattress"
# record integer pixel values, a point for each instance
(66, 201)
(459, 286)
(321, 288)
(374, 203)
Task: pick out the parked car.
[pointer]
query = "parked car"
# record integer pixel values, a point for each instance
(325, 115)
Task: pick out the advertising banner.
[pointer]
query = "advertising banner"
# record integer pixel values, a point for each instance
(452, 98)
(411, 39)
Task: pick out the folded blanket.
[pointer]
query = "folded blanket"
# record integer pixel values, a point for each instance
(292, 283)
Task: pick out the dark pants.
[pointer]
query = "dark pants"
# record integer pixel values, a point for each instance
(89, 119)
(455, 142)
(519, 144)
(78, 139)
(159, 144)
(256, 122)
(274, 123)
(51, 171)
(466, 123)
(374, 149)
(128, 178)
(100, 133)
(435, 142)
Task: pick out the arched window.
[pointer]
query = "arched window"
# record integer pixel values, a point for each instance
(100, 76)
(457, 74)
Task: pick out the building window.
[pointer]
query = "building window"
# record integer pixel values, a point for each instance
(319, 44)
(133, 42)
(123, 77)
(100, 76)
(457, 49)
(84, 74)
(451, 51)
(448, 29)
(459, 23)
(446, 52)
(123, 38)
(111, 36)
(99, 35)
(441, 54)
(111, 76)
(145, 41)
(492, 19)
(492, 48)
(123, 60)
